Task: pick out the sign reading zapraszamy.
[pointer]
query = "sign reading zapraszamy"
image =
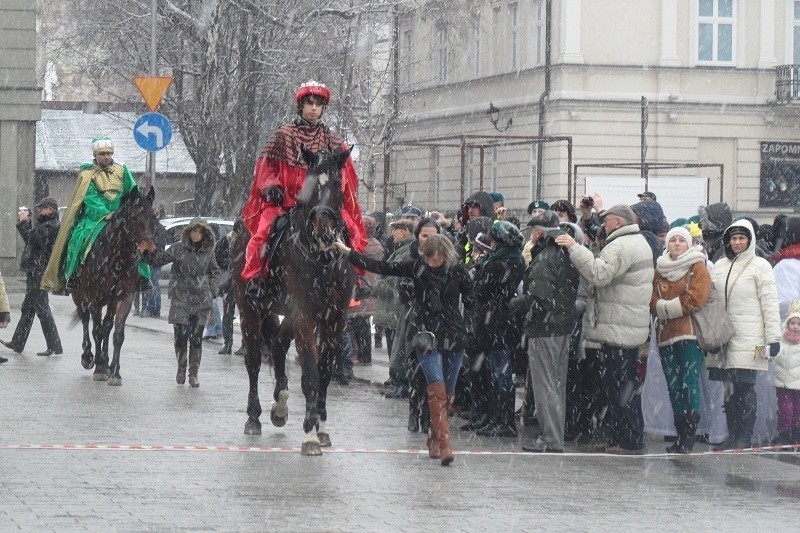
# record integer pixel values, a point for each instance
(780, 174)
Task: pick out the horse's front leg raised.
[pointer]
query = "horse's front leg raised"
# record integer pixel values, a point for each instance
(279, 340)
(306, 342)
(100, 345)
(120, 316)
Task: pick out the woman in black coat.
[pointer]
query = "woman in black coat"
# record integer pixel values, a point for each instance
(496, 281)
(440, 285)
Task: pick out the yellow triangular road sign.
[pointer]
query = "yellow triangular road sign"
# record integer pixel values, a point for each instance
(152, 89)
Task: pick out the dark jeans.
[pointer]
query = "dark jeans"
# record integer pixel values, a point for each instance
(586, 398)
(191, 333)
(228, 310)
(622, 386)
(36, 304)
(362, 337)
(153, 298)
(389, 338)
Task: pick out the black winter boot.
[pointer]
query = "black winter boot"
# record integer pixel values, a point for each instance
(748, 420)
(692, 419)
(732, 416)
(680, 427)
(505, 424)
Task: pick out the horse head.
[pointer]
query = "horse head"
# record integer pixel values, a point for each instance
(137, 219)
(322, 196)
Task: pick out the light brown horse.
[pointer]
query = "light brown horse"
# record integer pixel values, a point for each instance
(311, 286)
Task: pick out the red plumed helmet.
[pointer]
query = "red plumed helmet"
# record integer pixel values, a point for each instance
(313, 88)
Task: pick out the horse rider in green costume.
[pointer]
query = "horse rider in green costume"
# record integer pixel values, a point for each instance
(100, 187)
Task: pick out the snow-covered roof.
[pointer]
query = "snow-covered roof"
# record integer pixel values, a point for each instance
(64, 142)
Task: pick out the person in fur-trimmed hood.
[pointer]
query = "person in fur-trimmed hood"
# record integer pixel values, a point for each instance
(747, 285)
(193, 284)
(681, 285)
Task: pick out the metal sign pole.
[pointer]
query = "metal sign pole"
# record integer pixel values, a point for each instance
(151, 156)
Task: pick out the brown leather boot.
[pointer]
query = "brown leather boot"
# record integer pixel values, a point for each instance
(195, 354)
(440, 427)
(180, 354)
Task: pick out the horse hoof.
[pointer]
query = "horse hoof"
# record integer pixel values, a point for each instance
(87, 363)
(279, 413)
(116, 382)
(252, 427)
(99, 376)
(277, 421)
(324, 440)
(311, 449)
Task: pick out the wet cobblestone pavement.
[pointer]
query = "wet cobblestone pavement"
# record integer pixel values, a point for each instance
(155, 456)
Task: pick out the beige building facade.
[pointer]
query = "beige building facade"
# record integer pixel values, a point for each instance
(19, 111)
(709, 70)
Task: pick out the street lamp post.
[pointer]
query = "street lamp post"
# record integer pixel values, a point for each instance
(494, 116)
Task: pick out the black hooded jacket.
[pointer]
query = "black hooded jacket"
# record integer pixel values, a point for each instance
(39, 242)
(651, 219)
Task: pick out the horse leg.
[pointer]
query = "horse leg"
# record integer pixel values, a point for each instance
(87, 358)
(251, 338)
(306, 342)
(120, 316)
(100, 348)
(279, 413)
(331, 345)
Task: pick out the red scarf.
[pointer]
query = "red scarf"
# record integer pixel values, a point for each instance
(285, 143)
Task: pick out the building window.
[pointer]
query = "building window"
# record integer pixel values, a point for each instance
(497, 40)
(471, 174)
(441, 47)
(476, 51)
(513, 28)
(796, 32)
(495, 166)
(408, 59)
(715, 31)
(538, 7)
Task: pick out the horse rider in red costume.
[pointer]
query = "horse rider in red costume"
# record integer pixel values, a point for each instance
(279, 175)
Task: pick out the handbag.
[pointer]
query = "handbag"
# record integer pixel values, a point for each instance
(712, 325)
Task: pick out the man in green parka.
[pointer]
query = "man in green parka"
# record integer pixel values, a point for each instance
(100, 187)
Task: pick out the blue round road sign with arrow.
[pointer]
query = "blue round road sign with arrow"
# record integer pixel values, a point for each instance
(152, 131)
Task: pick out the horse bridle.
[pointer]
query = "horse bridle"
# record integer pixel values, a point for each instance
(322, 242)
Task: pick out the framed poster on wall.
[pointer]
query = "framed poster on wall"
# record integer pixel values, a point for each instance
(780, 174)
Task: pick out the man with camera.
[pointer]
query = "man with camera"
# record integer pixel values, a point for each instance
(38, 245)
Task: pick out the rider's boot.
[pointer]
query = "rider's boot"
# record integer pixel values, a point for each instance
(72, 284)
(180, 354)
(143, 284)
(194, 365)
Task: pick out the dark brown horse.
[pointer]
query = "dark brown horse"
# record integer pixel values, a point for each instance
(311, 286)
(108, 279)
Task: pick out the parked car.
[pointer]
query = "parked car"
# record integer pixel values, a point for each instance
(175, 227)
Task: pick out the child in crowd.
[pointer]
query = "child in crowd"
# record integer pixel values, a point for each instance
(787, 378)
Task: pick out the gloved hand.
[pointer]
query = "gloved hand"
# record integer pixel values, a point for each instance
(774, 348)
(405, 290)
(274, 194)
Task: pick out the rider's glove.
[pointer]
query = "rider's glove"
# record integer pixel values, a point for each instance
(274, 194)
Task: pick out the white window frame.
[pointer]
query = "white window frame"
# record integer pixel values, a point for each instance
(512, 10)
(471, 170)
(497, 38)
(442, 53)
(408, 55)
(538, 32)
(715, 21)
(495, 166)
(477, 42)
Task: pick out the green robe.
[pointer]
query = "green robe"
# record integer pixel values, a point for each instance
(103, 195)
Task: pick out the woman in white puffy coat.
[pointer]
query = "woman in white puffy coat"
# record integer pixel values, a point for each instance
(747, 286)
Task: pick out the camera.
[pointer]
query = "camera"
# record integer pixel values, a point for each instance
(587, 201)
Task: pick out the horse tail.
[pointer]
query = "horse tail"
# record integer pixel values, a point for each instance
(76, 318)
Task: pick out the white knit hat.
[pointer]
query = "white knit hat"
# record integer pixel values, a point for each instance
(681, 231)
(102, 144)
